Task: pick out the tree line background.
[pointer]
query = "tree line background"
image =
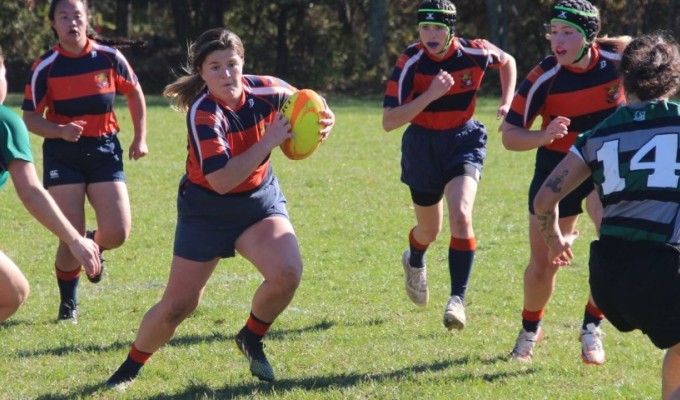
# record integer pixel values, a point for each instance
(341, 46)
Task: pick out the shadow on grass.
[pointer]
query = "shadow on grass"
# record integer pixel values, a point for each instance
(83, 392)
(310, 384)
(13, 322)
(178, 341)
(339, 381)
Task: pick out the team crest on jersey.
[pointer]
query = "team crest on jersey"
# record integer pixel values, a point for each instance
(466, 80)
(613, 93)
(639, 116)
(102, 80)
(251, 103)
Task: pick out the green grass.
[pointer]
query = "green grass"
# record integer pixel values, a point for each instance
(350, 332)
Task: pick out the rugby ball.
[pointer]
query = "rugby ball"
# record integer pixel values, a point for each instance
(303, 111)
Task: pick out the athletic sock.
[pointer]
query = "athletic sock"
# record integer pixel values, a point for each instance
(130, 368)
(461, 256)
(531, 320)
(68, 284)
(592, 315)
(417, 251)
(254, 329)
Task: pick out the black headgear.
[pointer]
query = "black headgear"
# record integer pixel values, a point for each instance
(437, 12)
(580, 14)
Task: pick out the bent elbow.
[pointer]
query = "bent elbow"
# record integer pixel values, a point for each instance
(387, 125)
(508, 144)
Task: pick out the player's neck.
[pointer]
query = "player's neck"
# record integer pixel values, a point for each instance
(633, 102)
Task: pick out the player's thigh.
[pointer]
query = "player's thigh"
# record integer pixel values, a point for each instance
(272, 247)
(429, 219)
(460, 198)
(187, 282)
(460, 194)
(13, 284)
(71, 201)
(111, 205)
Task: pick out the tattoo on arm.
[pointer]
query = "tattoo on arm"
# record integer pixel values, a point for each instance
(555, 184)
(546, 224)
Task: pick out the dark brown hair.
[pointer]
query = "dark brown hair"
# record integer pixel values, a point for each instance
(650, 67)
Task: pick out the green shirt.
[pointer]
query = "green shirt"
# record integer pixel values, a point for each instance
(14, 143)
(634, 159)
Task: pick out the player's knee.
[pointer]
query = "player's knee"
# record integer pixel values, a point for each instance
(16, 298)
(461, 222)
(175, 311)
(22, 293)
(428, 235)
(541, 270)
(114, 238)
(288, 278)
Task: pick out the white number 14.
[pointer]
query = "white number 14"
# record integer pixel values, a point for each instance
(664, 166)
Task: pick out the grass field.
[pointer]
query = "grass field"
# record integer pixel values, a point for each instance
(350, 332)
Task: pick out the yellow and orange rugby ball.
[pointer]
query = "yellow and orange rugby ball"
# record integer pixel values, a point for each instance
(303, 111)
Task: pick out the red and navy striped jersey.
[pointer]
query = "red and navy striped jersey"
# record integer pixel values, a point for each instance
(217, 132)
(79, 87)
(585, 96)
(466, 60)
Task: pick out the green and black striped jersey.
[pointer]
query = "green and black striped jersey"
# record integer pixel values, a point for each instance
(634, 158)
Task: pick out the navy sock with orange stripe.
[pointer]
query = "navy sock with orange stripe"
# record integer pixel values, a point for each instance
(254, 329)
(130, 368)
(68, 284)
(461, 256)
(592, 315)
(532, 319)
(416, 251)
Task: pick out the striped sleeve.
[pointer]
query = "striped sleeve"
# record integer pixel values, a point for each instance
(207, 140)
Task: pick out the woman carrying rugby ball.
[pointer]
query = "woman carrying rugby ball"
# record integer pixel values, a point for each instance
(229, 199)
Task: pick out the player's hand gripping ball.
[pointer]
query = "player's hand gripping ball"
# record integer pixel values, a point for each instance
(303, 110)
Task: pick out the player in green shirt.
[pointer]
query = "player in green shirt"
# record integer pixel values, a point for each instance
(633, 158)
(16, 161)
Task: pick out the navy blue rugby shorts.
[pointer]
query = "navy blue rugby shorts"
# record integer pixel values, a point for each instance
(89, 160)
(546, 161)
(636, 284)
(430, 159)
(208, 224)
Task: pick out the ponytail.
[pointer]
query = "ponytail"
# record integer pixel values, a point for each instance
(183, 91)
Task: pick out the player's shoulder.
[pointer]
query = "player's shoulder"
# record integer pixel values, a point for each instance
(266, 85)
(608, 52)
(472, 43)
(548, 63)
(545, 70)
(413, 49)
(45, 58)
